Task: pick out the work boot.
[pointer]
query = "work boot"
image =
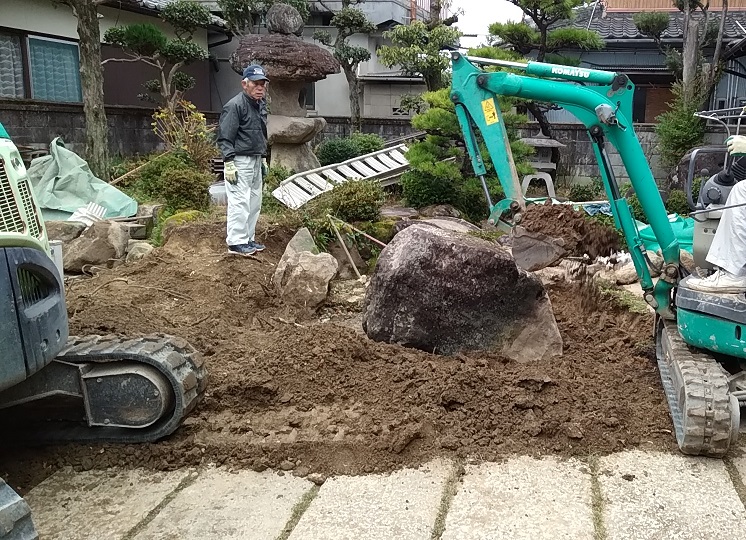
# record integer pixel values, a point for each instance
(721, 282)
(244, 250)
(257, 246)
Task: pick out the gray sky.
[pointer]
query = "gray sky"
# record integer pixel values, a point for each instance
(479, 14)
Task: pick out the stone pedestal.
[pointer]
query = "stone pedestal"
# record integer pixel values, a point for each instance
(289, 137)
(291, 63)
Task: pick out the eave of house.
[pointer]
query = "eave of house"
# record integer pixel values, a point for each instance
(613, 25)
(153, 7)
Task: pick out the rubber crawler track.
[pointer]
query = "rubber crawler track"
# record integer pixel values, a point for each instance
(181, 364)
(703, 421)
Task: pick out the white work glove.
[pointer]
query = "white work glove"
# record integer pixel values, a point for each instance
(736, 145)
(265, 168)
(230, 173)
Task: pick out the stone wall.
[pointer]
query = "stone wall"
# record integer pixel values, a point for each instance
(35, 124)
(388, 128)
(578, 162)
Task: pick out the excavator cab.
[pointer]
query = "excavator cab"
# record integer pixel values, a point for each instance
(33, 325)
(700, 338)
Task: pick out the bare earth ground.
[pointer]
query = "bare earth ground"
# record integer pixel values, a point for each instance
(311, 392)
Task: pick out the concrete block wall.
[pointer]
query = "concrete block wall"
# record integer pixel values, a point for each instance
(130, 133)
(34, 124)
(578, 162)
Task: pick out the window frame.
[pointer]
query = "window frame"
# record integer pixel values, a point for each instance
(26, 61)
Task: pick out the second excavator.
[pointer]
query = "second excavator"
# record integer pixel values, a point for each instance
(700, 337)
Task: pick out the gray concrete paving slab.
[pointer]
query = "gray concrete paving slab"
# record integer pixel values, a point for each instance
(522, 498)
(91, 505)
(400, 506)
(669, 496)
(223, 505)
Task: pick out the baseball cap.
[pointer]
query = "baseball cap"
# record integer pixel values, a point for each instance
(255, 73)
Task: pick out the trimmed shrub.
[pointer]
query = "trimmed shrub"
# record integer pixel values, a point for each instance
(185, 189)
(338, 150)
(351, 201)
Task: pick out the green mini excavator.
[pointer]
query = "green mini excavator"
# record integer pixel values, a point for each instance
(700, 338)
(57, 388)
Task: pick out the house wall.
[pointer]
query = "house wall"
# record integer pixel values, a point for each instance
(656, 102)
(44, 17)
(382, 100)
(122, 80)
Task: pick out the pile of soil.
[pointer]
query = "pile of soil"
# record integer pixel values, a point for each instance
(311, 392)
(581, 235)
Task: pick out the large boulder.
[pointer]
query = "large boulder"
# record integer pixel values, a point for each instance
(301, 241)
(443, 291)
(100, 245)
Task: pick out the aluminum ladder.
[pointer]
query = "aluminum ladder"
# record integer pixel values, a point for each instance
(383, 165)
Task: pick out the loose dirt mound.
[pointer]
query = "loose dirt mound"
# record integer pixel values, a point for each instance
(289, 390)
(581, 235)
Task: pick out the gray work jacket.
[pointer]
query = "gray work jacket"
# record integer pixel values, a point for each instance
(243, 128)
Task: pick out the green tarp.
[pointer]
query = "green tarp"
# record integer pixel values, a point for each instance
(63, 182)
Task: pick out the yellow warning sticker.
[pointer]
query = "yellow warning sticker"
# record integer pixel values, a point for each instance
(490, 112)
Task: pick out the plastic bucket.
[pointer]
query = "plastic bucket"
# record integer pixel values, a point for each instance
(217, 194)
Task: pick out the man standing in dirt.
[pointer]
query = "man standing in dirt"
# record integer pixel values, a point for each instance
(243, 143)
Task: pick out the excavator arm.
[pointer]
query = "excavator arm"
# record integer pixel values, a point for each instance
(602, 101)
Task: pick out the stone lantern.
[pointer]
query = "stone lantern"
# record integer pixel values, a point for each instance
(291, 64)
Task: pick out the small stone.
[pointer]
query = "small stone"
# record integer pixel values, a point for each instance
(316, 478)
(286, 397)
(611, 421)
(628, 477)
(449, 442)
(301, 471)
(259, 466)
(573, 431)
(286, 465)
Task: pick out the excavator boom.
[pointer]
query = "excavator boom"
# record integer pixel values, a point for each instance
(603, 103)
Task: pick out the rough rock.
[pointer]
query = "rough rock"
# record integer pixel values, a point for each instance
(442, 291)
(284, 19)
(138, 250)
(288, 98)
(398, 212)
(101, 244)
(293, 130)
(435, 210)
(305, 281)
(656, 263)
(451, 224)
(64, 231)
(300, 242)
(687, 261)
(534, 250)
(708, 163)
(297, 157)
(346, 270)
(625, 274)
(286, 58)
(551, 275)
(441, 222)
